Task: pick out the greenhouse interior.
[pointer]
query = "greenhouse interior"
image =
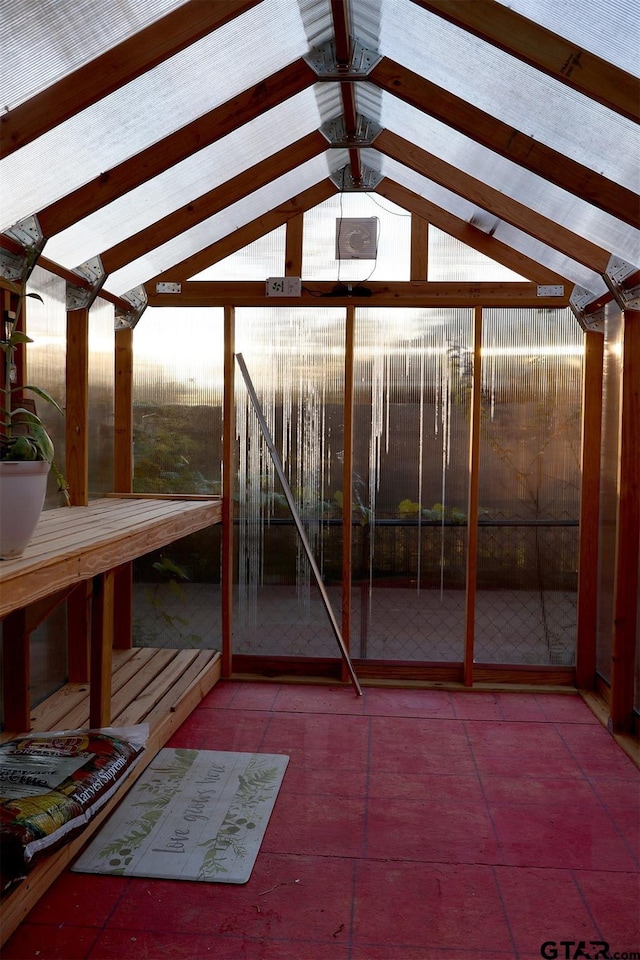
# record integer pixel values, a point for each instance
(415, 505)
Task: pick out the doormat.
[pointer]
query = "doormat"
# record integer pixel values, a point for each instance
(192, 815)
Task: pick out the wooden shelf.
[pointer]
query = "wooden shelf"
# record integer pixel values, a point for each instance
(77, 543)
(72, 546)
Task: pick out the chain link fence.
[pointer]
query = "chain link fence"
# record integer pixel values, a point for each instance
(412, 596)
(408, 594)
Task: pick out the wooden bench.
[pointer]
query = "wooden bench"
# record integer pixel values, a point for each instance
(86, 546)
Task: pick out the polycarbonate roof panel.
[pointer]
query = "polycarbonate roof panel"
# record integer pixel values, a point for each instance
(195, 176)
(183, 88)
(316, 20)
(45, 40)
(511, 179)
(507, 88)
(608, 28)
(215, 228)
(484, 220)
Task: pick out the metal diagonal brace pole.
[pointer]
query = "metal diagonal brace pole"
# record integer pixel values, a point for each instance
(294, 512)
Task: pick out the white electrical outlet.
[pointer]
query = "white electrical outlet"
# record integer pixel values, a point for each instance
(168, 287)
(551, 290)
(283, 287)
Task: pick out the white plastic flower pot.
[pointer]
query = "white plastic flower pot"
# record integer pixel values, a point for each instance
(23, 485)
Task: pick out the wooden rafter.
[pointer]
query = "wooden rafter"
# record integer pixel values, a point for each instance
(119, 65)
(212, 202)
(504, 140)
(342, 39)
(544, 50)
(183, 143)
(247, 234)
(499, 204)
(468, 234)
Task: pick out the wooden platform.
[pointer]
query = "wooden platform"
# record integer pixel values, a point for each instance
(154, 686)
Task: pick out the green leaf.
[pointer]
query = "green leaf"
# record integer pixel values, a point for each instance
(19, 337)
(44, 395)
(43, 441)
(169, 568)
(25, 416)
(22, 448)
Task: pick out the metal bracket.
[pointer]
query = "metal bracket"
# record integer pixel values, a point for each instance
(579, 305)
(28, 235)
(13, 266)
(138, 300)
(323, 62)
(345, 181)
(623, 280)
(81, 298)
(363, 136)
(27, 232)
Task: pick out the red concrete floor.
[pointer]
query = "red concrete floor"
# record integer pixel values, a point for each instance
(411, 825)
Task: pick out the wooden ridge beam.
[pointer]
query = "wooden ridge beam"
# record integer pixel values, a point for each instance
(343, 47)
(468, 234)
(201, 293)
(246, 234)
(213, 201)
(120, 65)
(178, 146)
(546, 51)
(496, 202)
(503, 139)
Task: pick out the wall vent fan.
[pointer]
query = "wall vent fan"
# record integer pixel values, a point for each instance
(356, 238)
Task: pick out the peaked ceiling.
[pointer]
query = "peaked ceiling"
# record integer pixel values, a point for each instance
(149, 139)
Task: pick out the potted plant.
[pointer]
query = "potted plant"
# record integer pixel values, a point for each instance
(26, 449)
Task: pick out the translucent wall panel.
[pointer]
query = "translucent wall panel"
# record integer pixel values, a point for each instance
(529, 487)
(295, 358)
(177, 414)
(413, 380)
(48, 658)
(257, 261)
(450, 260)
(101, 397)
(48, 655)
(609, 486)
(319, 244)
(176, 594)
(46, 359)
